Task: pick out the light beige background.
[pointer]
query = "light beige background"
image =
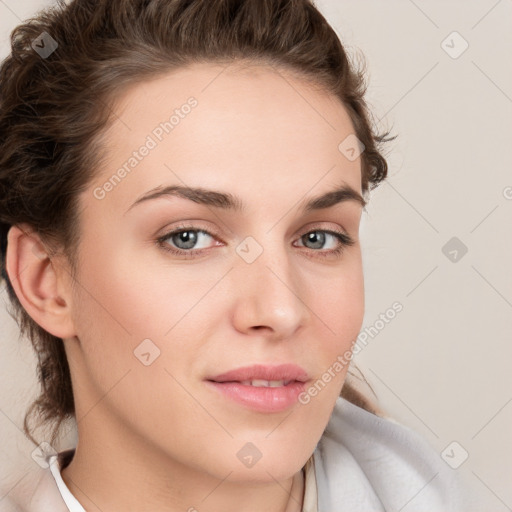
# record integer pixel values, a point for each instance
(443, 364)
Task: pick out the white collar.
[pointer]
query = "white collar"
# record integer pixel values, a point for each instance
(71, 502)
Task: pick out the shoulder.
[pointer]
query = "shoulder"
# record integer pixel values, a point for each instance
(377, 464)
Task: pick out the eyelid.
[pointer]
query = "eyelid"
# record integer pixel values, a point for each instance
(191, 226)
(197, 226)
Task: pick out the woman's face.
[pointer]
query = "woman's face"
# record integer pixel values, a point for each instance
(255, 279)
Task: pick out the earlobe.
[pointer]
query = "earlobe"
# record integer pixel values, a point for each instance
(40, 287)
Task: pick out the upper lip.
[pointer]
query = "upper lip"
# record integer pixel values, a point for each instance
(286, 372)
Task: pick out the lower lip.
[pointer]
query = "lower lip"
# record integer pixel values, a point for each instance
(261, 399)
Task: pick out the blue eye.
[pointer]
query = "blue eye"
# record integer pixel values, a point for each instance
(183, 241)
(188, 239)
(342, 239)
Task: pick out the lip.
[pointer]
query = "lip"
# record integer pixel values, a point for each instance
(263, 372)
(261, 399)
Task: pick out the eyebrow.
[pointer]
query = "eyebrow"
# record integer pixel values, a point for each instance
(228, 201)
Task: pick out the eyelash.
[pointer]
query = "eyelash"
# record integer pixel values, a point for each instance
(343, 239)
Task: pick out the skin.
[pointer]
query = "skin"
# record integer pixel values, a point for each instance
(155, 437)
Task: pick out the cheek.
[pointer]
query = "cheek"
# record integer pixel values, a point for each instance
(340, 305)
(130, 297)
(123, 302)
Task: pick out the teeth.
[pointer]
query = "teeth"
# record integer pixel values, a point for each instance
(265, 383)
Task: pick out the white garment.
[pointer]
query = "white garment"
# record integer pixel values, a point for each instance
(71, 502)
(362, 463)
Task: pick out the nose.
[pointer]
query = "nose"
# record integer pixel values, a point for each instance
(269, 295)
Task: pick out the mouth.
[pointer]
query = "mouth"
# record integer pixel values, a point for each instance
(262, 388)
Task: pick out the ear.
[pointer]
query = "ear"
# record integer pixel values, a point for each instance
(42, 286)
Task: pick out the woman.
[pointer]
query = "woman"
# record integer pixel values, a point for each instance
(182, 185)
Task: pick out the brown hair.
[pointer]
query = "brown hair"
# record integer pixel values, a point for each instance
(54, 109)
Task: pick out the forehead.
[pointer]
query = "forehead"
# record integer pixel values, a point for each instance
(249, 129)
